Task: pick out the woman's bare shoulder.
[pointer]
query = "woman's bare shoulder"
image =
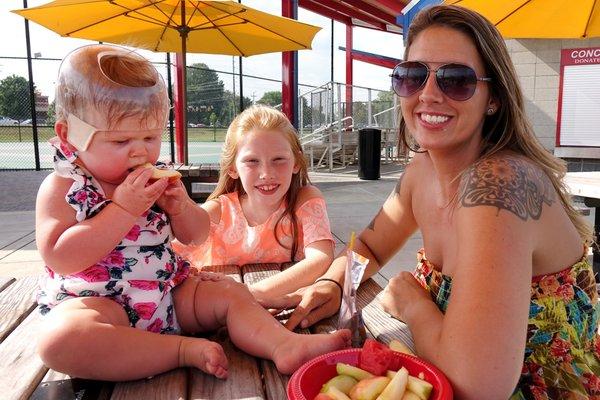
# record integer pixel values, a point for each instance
(509, 182)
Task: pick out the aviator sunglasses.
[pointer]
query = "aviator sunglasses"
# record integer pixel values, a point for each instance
(456, 81)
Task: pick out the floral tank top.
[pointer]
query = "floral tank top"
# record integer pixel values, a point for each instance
(562, 353)
(139, 273)
(233, 241)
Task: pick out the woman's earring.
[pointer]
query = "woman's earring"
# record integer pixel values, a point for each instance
(490, 111)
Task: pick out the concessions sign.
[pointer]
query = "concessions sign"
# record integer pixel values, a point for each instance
(578, 120)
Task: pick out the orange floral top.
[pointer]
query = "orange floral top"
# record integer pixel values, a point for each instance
(562, 353)
(233, 241)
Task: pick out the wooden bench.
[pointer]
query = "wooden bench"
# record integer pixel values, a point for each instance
(205, 174)
(23, 375)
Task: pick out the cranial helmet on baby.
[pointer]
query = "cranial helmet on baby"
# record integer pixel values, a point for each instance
(100, 86)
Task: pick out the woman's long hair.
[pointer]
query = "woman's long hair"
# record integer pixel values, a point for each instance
(508, 128)
(268, 119)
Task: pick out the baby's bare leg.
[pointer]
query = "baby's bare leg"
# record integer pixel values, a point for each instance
(91, 338)
(204, 305)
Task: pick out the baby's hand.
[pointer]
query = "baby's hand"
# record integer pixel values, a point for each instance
(134, 196)
(174, 200)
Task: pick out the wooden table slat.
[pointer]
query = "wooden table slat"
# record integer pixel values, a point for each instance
(232, 271)
(170, 385)
(275, 382)
(21, 369)
(5, 282)
(16, 301)
(244, 380)
(253, 273)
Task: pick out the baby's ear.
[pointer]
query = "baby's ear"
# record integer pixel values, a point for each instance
(61, 128)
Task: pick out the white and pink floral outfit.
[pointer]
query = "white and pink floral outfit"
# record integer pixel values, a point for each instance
(139, 273)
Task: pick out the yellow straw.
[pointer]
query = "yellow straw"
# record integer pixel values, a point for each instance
(352, 237)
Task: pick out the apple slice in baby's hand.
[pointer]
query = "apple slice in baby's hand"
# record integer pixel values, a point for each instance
(157, 173)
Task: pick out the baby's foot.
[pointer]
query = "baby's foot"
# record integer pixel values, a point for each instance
(203, 354)
(291, 354)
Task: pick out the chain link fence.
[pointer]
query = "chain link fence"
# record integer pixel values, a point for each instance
(213, 100)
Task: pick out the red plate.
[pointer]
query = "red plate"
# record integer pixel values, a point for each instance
(307, 381)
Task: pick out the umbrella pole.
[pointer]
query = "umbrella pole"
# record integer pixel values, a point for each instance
(183, 32)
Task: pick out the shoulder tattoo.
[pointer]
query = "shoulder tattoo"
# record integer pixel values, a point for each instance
(509, 184)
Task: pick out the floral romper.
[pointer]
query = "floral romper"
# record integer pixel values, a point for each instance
(233, 241)
(139, 273)
(562, 353)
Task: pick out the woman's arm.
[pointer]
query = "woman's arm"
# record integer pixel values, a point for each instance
(68, 246)
(479, 342)
(379, 241)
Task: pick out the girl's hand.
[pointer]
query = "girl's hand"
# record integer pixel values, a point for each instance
(402, 296)
(313, 303)
(174, 200)
(134, 196)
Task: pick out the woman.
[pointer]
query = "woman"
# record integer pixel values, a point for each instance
(499, 231)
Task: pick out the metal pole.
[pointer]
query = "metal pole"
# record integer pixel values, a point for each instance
(36, 149)
(241, 80)
(233, 77)
(183, 95)
(241, 87)
(170, 91)
(332, 55)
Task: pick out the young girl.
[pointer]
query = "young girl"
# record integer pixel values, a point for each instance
(263, 209)
(116, 295)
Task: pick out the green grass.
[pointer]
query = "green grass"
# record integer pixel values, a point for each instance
(25, 134)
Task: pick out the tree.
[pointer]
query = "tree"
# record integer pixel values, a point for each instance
(205, 94)
(14, 98)
(272, 98)
(51, 118)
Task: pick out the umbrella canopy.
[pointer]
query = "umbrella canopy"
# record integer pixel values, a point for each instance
(539, 19)
(210, 26)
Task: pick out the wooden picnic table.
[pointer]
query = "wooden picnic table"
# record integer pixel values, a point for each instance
(203, 175)
(23, 375)
(587, 186)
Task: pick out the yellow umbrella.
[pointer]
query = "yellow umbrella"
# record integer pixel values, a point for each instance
(210, 26)
(539, 19)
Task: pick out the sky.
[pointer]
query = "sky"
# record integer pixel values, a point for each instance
(314, 65)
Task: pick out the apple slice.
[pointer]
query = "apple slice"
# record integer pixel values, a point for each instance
(158, 173)
(342, 382)
(354, 372)
(369, 389)
(323, 396)
(408, 395)
(397, 386)
(336, 394)
(400, 347)
(419, 387)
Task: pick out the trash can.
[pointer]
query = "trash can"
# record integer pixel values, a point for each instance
(369, 153)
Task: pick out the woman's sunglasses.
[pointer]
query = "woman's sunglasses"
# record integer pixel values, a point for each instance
(456, 81)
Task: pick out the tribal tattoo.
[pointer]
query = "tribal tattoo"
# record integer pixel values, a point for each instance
(510, 184)
(395, 192)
